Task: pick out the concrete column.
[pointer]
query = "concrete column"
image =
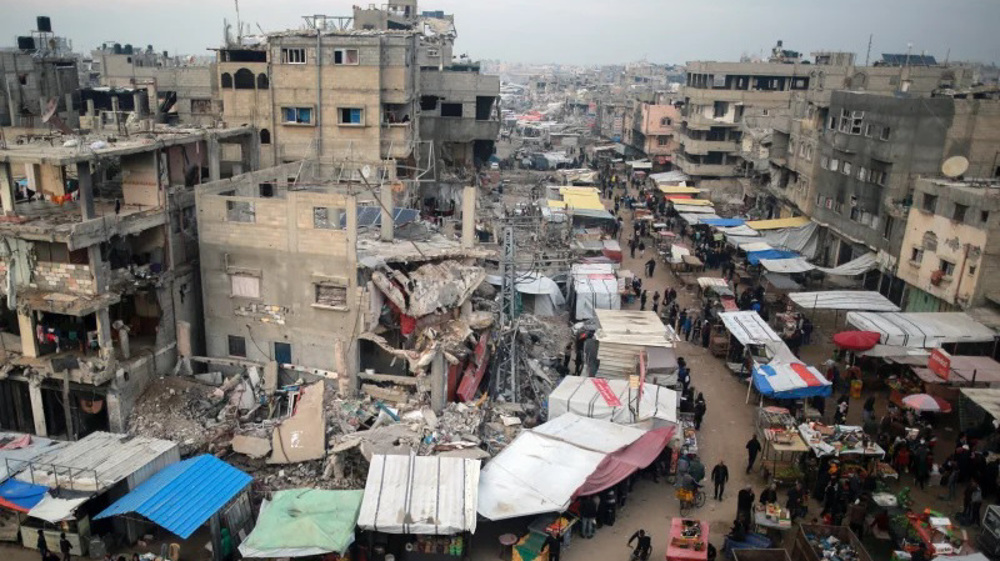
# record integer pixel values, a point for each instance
(104, 333)
(29, 343)
(97, 268)
(7, 193)
(116, 422)
(214, 160)
(33, 172)
(469, 217)
(91, 110)
(388, 206)
(137, 96)
(439, 382)
(72, 117)
(114, 109)
(37, 406)
(250, 152)
(86, 190)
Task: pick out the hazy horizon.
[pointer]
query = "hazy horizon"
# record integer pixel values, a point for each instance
(576, 32)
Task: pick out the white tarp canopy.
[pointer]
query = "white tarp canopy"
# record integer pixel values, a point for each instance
(804, 239)
(596, 288)
(756, 246)
(427, 495)
(640, 164)
(54, 510)
(694, 218)
(706, 282)
(852, 268)
(582, 396)
(865, 300)
(923, 329)
(749, 328)
(548, 299)
(544, 466)
(858, 266)
(742, 230)
(787, 266)
(694, 209)
(669, 177)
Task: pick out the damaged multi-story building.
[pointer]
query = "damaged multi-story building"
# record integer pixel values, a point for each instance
(38, 73)
(339, 280)
(651, 128)
(98, 254)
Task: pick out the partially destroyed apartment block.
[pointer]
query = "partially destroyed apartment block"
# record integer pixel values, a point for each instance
(335, 279)
(98, 263)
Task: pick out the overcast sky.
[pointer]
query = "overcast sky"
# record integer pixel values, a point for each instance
(563, 31)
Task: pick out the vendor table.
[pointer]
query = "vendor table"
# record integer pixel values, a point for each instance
(782, 441)
(820, 445)
(680, 548)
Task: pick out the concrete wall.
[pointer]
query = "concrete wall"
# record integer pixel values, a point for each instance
(31, 82)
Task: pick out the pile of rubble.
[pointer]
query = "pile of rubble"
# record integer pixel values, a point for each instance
(182, 410)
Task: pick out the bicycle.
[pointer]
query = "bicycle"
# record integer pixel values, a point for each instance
(690, 500)
(635, 555)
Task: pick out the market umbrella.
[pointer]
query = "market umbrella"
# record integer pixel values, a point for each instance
(927, 403)
(856, 340)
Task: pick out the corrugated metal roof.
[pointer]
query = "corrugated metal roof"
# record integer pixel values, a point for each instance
(794, 222)
(96, 461)
(183, 496)
(14, 460)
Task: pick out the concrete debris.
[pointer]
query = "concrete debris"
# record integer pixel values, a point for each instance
(252, 446)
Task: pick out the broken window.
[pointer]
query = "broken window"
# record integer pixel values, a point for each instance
(346, 56)
(884, 134)
(662, 140)
(947, 267)
(243, 79)
(846, 169)
(484, 108)
(930, 241)
(201, 106)
(857, 118)
(237, 346)
(293, 56)
(266, 190)
(451, 109)
(297, 115)
(331, 295)
(326, 218)
(262, 81)
(916, 255)
(959, 214)
(244, 286)
(265, 136)
(930, 203)
(428, 102)
(351, 116)
(240, 211)
(665, 122)
(719, 109)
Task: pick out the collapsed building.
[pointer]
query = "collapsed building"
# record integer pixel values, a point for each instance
(98, 258)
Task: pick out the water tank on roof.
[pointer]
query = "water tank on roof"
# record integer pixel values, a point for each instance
(44, 24)
(117, 48)
(127, 49)
(26, 43)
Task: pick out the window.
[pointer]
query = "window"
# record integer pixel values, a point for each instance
(887, 228)
(845, 121)
(201, 106)
(809, 153)
(984, 216)
(244, 286)
(869, 130)
(846, 169)
(351, 116)
(857, 119)
(916, 255)
(293, 56)
(666, 122)
(22, 79)
(879, 177)
(331, 296)
(930, 203)
(262, 81)
(297, 115)
(764, 112)
(719, 109)
(266, 190)
(959, 214)
(428, 102)
(884, 135)
(326, 218)
(346, 56)
(227, 80)
(240, 211)
(282, 352)
(265, 136)
(834, 164)
(947, 267)
(832, 124)
(243, 79)
(862, 174)
(824, 162)
(972, 270)
(237, 346)
(662, 140)
(451, 109)
(433, 52)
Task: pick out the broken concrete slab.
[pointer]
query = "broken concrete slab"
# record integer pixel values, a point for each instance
(252, 446)
(210, 378)
(301, 437)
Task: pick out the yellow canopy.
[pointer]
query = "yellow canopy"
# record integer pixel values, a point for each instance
(794, 222)
(583, 201)
(691, 202)
(678, 190)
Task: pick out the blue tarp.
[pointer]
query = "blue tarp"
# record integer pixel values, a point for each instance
(724, 222)
(793, 380)
(754, 257)
(183, 496)
(20, 495)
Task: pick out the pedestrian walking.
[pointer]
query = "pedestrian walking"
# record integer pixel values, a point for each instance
(753, 448)
(642, 301)
(642, 249)
(42, 545)
(650, 267)
(64, 546)
(744, 504)
(588, 511)
(700, 407)
(554, 542)
(720, 475)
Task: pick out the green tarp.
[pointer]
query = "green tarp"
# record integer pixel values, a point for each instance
(301, 522)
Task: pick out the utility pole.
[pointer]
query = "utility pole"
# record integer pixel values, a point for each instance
(505, 362)
(868, 55)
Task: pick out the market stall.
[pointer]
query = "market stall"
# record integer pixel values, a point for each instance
(839, 440)
(934, 529)
(989, 535)
(922, 329)
(304, 523)
(688, 540)
(614, 400)
(817, 542)
(782, 444)
(420, 508)
(753, 334)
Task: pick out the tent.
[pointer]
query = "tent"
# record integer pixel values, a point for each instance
(787, 266)
(595, 287)
(754, 257)
(427, 495)
(843, 300)
(789, 380)
(302, 523)
(613, 400)
(539, 294)
(749, 328)
(543, 468)
(922, 329)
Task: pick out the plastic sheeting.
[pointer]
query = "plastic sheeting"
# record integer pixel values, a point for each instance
(924, 330)
(787, 266)
(543, 468)
(426, 495)
(852, 268)
(616, 467)
(694, 209)
(749, 328)
(304, 522)
(549, 300)
(21, 496)
(693, 218)
(803, 240)
(582, 396)
(843, 300)
(744, 230)
(778, 223)
(754, 257)
(789, 380)
(724, 222)
(55, 510)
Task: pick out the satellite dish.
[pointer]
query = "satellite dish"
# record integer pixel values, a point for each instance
(955, 166)
(366, 172)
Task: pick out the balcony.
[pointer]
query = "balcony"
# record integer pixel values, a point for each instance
(458, 129)
(397, 140)
(699, 96)
(703, 147)
(701, 123)
(707, 170)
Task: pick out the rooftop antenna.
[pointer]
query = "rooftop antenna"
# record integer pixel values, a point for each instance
(868, 55)
(239, 24)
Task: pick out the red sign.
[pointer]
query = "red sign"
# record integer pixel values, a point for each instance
(604, 389)
(940, 363)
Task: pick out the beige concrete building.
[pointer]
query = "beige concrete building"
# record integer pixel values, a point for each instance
(651, 129)
(951, 246)
(98, 253)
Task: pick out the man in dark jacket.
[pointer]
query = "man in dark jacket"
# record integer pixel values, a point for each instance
(42, 545)
(554, 543)
(753, 448)
(720, 475)
(64, 546)
(588, 513)
(744, 504)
